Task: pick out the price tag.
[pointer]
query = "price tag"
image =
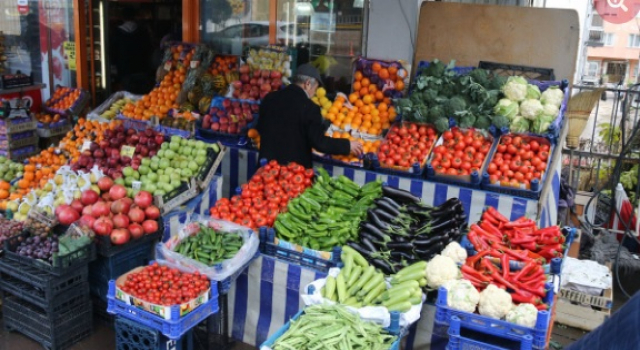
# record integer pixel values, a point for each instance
(127, 151)
(136, 185)
(62, 144)
(85, 146)
(194, 64)
(167, 66)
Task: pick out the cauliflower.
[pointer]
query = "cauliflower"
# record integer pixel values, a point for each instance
(507, 108)
(494, 302)
(524, 315)
(519, 124)
(552, 96)
(441, 269)
(515, 89)
(550, 109)
(533, 92)
(530, 109)
(462, 295)
(454, 251)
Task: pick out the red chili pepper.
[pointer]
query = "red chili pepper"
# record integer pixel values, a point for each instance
(541, 292)
(504, 261)
(518, 254)
(496, 214)
(533, 278)
(490, 219)
(484, 233)
(485, 225)
(523, 240)
(524, 219)
(549, 254)
(474, 273)
(530, 266)
(522, 296)
(515, 224)
(477, 242)
(471, 261)
(548, 230)
(548, 240)
(495, 274)
(542, 307)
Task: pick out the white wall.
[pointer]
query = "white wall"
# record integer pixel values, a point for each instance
(390, 33)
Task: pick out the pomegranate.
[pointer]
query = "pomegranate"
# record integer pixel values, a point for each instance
(105, 183)
(77, 205)
(87, 210)
(143, 199)
(136, 215)
(117, 191)
(89, 197)
(122, 205)
(100, 209)
(86, 221)
(150, 226)
(103, 226)
(136, 231)
(120, 236)
(61, 208)
(152, 212)
(121, 221)
(68, 216)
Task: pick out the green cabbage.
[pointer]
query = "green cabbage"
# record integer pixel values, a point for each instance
(533, 92)
(541, 124)
(519, 124)
(507, 108)
(516, 88)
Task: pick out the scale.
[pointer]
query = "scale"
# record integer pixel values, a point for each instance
(15, 108)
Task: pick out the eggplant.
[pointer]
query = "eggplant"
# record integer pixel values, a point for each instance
(438, 228)
(360, 249)
(371, 238)
(408, 246)
(396, 255)
(386, 268)
(427, 254)
(426, 243)
(400, 239)
(384, 216)
(368, 244)
(399, 195)
(386, 204)
(375, 220)
(374, 231)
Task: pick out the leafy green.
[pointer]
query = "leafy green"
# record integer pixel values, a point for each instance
(500, 121)
(441, 124)
(482, 122)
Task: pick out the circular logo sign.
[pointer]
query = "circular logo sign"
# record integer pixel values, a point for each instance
(617, 11)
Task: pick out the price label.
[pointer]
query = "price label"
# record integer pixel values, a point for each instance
(127, 151)
(62, 144)
(136, 185)
(85, 146)
(194, 64)
(167, 66)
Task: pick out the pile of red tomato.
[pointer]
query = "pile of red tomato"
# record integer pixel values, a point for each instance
(406, 145)
(518, 160)
(265, 196)
(461, 153)
(162, 285)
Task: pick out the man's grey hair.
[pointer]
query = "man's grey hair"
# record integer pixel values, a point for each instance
(303, 79)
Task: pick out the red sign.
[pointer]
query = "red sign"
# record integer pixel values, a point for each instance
(32, 98)
(23, 7)
(617, 11)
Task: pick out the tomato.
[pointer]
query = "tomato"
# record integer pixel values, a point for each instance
(452, 171)
(456, 163)
(492, 168)
(493, 179)
(466, 166)
(544, 148)
(544, 155)
(541, 167)
(477, 163)
(460, 146)
(518, 176)
(447, 135)
(535, 161)
(485, 148)
(470, 150)
(476, 144)
(445, 162)
(504, 168)
(511, 149)
(468, 139)
(534, 145)
(517, 141)
(435, 164)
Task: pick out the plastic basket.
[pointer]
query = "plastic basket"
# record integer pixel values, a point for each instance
(109, 268)
(14, 125)
(18, 140)
(139, 125)
(302, 258)
(53, 129)
(41, 288)
(54, 331)
(174, 328)
(507, 331)
(133, 336)
(536, 185)
(61, 264)
(393, 329)
(105, 248)
(177, 197)
(218, 135)
(364, 65)
(462, 339)
(20, 154)
(209, 168)
(76, 108)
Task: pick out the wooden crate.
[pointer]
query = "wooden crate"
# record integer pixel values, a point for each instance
(582, 310)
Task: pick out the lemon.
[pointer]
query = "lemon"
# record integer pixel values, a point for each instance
(315, 100)
(321, 92)
(323, 100)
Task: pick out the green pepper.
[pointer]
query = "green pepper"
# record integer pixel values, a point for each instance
(348, 182)
(281, 230)
(323, 174)
(372, 186)
(297, 212)
(346, 189)
(311, 202)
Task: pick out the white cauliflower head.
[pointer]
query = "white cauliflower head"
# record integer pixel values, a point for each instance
(524, 315)
(441, 269)
(552, 96)
(495, 302)
(515, 89)
(550, 109)
(455, 251)
(462, 295)
(533, 91)
(530, 109)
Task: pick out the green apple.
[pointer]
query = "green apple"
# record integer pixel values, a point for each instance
(193, 166)
(128, 180)
(183, 142)
(201, 152)
(165, 145)
(155, 159)
(119, 181)
(164, 163)
(201, 160)
(176, 139)
(174, 146)
(135, 175)
(150, 187)
(175, 183)
(169, 154)
(158, 193)
(153, 165)
(161, 152)
(167, 187)
(184, 164)
(145, 161)
(186, 172)
(201, 145)
(163, 179)
(152, 177)
(127, 171)
(143, 169)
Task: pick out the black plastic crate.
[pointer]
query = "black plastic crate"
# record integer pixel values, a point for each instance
(54, 332)
(100, 314)
(107, 249)
(40, 288)
(61, 264)
(131, 335)
(104, 269)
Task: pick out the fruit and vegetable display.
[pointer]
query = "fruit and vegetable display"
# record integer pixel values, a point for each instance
(274, 58)
(47, 119)
(210, 246)
(256, 83)
(9, 228)
(527, 108)
(265, 195)
(518, 160)
(461, 152)
(328, 213)
(390, 78)
(162, 285)
(400, 230)
(229, 116)
(406, 145)
(359, 284)
(38, 247)
(9, 170)
(116, 107)
(439, 93)
(332, 327)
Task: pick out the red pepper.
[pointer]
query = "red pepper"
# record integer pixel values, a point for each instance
(542, 307)
(485, 225)
(534, 277)
(482, 232)
(550, 253)
(523, 240)
(478, 243)
(518, 254)
(532, 246)
(515, 224)
(490, 219)
(522, 296)
(504, 261)
(471, 261)
(548, 230)
(546, 240)
(525, 270)
(496, 214)
(524, 219)
(470, 271)
(541, 292)
(495, 274)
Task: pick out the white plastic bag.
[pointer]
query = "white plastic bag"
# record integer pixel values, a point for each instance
(377, 314)
(219, 272)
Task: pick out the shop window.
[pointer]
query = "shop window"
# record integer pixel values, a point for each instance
(634, 41)
(327, 33)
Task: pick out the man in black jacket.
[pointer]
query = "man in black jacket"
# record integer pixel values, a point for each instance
(290, 124)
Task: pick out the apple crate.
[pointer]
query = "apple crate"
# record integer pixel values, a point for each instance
(225, 113)
(18, 140)
(210, 166)
(14, 125)
(177, 197)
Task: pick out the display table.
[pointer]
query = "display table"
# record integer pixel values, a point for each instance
(239, 164)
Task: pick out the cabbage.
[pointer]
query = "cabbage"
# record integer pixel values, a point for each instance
(533, 92)
(515, 89)
(552, 96)
(541, 124)
(530, 109)
(519, 124)
(507, 108)
(550, 109)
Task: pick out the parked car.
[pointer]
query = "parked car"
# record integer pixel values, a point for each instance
(232, 39)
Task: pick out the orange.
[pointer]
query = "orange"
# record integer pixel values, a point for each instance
(379, 96)
(358, 75)
(383, 107)
(357, 86)
(376, 66)
(373, 88)
(353, 97)
(364, 91)
(365, 82)
(393, 69)
(383, 73)
(365, 109)
(399, 85)
(367, 99)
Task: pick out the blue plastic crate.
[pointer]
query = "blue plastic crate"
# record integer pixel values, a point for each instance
(105, 269)
(169, 131)
(174, 328)
(393, 329)
(458, 341)
(486, 325)
(139, 125)
(536, 185)
(131, 335)
(306, 259)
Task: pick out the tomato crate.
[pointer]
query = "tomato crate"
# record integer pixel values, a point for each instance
(173, 328)
(55, 331)
(131, 335)
(41, 288)
(61, 264)
(500, 331)
(107, 249)
(293, 253)
(104, 269)
(393, 329)
(535, 188)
